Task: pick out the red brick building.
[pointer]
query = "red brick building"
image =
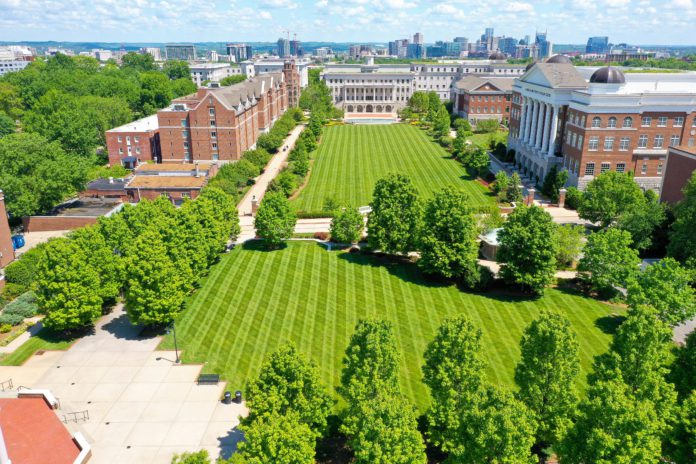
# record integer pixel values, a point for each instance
(7, 254)
(590, 120)
(214, 124)
(680, 165)
(482, 97)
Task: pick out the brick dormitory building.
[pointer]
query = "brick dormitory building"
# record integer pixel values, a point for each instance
(590, 120)
(214, 124)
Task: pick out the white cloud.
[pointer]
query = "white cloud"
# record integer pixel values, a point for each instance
(617, 3)
(265, 15)
(521, 7)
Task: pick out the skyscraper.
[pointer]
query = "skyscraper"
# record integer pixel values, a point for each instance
(296, 48)
(418, 38)
(184, 52)
(240, 52)
(545, 47)
(283, 48)
(597, 45)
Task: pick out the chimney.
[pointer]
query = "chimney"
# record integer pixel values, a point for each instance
(111, 180)
(198, 173)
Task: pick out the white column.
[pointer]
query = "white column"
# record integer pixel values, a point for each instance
(554, 130)
(547, 127)
(540, 126)
(533, 125)
(523, 118)
(528, 124)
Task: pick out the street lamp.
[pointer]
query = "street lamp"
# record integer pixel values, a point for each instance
(176, 348)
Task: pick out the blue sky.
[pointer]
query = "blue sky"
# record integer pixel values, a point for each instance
(567, 21)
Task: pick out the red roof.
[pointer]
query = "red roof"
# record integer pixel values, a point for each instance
(34, 434)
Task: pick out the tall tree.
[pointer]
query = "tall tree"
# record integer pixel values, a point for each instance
(371, 363)
(347, 225)
(177, 69)
(528, 248)
(682, 245)
(384, 431)
(275, 219)
(448, 244)
(642, 220)
(155, 289)
(608, 261)
(395, 221)
(514, 191)
(104, 260)
(608, 196)
(570, 244)
(7, 125)
(546, 376)
(278, 439)
(142, 62)
(682, 441)
(684, 367)
(667, 287)
(289, 383)
(68, 290)
(453, 371)
(441, 125)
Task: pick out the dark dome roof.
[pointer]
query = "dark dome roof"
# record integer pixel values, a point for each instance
(497, 55)
(608, 75)
(558, 59)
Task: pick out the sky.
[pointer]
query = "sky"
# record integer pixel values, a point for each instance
(567, 21)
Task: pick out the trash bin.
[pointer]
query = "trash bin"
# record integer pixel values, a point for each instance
(228, 398)
(238, 397)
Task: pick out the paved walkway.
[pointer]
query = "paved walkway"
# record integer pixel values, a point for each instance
(26, 335)
(143, 408)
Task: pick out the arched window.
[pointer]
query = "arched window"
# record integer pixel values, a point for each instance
(611, 122)
(596, 121)
(628, 122)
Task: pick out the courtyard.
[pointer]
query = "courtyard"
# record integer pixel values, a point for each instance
(351, 159)
(254, 299)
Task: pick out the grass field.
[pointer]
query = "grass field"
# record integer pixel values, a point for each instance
(254, 299)
(351, 159)
(43, 340)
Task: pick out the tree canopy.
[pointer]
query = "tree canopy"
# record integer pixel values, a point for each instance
(609, 261)
(395, 221)
(275, 219)
(682, 245)
(347, 225)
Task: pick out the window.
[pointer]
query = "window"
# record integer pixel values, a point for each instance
(185, 195)
(573, 139)
(212, 122)
(589, 169)
(185, 134)
(679, 121)
(620, 167)
(214, 146)
(186, 146)
(184, 123)
(693, 123)
(127, 138)
(211, 111)
(119, 139)
(674, 141)
(643, 141)
(623, 143)
(582, 121)
(580, 140)
(646, 121)
(662, 121)
(120, 151)
(136, 139)
(596, 122)
(659, 168)
(644, 168)
(608, 143)
(611, 122)
(628, 122)
(594, 143)
(659, 141)
(213, 135)
(605, 167)
(215, 156)
(137, 150)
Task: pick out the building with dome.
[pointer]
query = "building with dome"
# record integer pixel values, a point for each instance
(592, 120)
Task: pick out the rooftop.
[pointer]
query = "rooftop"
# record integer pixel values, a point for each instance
(33, 432)
(85, 207)
(473, 83)
(168, 167)
(208, 66)
(147, 124)
(106, 184)
(168, 182)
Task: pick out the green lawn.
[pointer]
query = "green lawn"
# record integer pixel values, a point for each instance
(483, 140)
(255, 299)
(43, 340)
(352, 158)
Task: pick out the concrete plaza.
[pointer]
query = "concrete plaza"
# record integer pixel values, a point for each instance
(142, 406)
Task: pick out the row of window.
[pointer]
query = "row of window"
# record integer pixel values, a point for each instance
(485, 98)
(136, 139)
(620, 167)
(485, 109)
(624, 142)
(646, 121)
(137, 150)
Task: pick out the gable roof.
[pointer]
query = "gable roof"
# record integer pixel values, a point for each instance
(556, 75)
(473, 83)
(244, 92)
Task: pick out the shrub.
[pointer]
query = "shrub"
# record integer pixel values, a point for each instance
(11, 319)
(573, 198)
(485, 279)
(5, 328)
(321, 235)
(487, 126)
(12, 290)
(25, 306)
(258, 157)
(285, 182)
(314, 214)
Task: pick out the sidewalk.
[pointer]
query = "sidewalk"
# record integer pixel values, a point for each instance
(19, 341)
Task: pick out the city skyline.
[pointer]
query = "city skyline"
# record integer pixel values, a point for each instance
(567, 21)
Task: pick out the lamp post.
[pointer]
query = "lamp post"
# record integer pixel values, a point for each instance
(176, 348)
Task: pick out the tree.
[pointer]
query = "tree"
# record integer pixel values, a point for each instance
(289, 383)
(554, 182)
(36, 175)
(460, 140)
(667, 287)
(275, 219)
(683, 371)
(501, 184)
(394, 224)
(528, 248)
(453, 371)
(177, 69)
(139, 62)
(285, 183)
(608, 261)
(514, 191)
(569, 238)
(155, 92)
(441, 124)
(68, 290)
(384, 431)
(682, 444)
(10, 100)
(487, 126)
(682, 245)
(546, 375)
(448, 245)
(316, 122)
(613, 426)
(475, 158)
(104, 260)
(277, 439)
(371, 363)
(182, 87)
(608, 196)
(200, 457)
(642, 220)
(347, 225)
(155, 288)
(419, 102)
(231, 80)
(7, 125)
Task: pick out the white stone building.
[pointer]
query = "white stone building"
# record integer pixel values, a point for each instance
(251, 68)
(213, 72)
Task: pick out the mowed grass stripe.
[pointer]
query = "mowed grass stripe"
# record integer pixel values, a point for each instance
(350, 159)
(253, 300)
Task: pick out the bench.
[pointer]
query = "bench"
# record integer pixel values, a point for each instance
(212, 379)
